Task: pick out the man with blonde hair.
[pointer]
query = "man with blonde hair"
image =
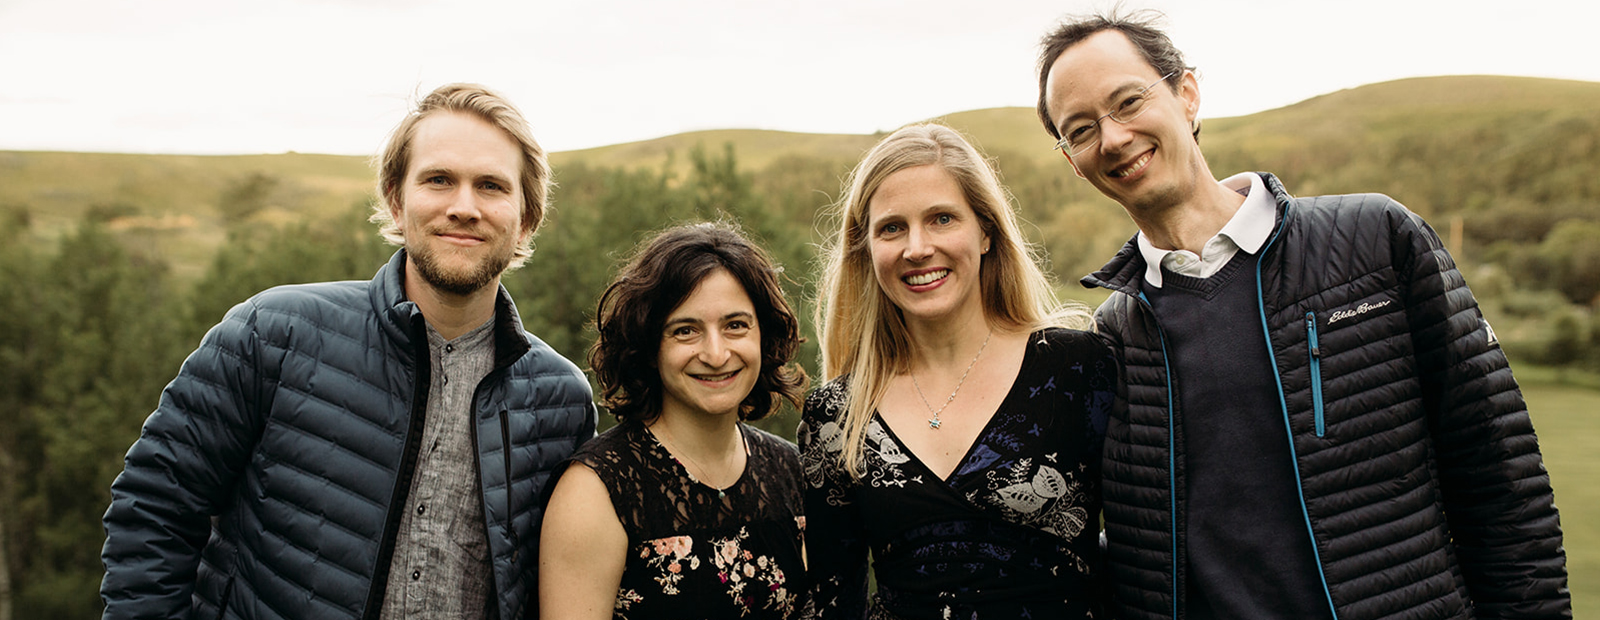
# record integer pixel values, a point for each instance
(367, 449)
(1319, 422)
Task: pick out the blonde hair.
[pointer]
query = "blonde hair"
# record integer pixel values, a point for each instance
(494, 109)
(861, 332)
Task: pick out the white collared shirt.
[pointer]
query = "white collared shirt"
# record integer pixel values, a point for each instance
(1247, 230)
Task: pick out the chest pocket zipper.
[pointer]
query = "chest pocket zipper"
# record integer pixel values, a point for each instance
(1315, 352)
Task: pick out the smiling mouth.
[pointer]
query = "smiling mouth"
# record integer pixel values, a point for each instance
(1137, 165)
(715, 378)
(926, 278)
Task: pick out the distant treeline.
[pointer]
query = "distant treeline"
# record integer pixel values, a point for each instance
(97, 315)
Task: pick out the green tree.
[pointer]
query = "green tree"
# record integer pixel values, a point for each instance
(21, 355)
(246, 196)
(1572, 257)
(256, 258)
(101, 348)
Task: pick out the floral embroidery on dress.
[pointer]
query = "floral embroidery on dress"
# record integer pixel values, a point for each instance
(626, 597)
(697, 553)
(1011, 533)
(1048, 499)
(670, 556)
(740, 569)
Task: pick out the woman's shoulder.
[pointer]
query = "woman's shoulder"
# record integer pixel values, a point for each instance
(764, 441)
(773, 454)
(609, 447)
(827, 401)
(1084, 351)
(1070, 341)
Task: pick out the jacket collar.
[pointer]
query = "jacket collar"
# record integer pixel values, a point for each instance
(1123, 271)
(403, 322)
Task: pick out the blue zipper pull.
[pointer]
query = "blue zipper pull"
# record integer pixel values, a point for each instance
(1316, 373)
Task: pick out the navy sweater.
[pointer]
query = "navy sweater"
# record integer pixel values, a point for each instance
(1248, 553)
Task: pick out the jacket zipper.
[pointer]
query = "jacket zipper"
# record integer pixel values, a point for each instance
(1316, 373)
(402, 480)
(1172, 454)
(1283, 403)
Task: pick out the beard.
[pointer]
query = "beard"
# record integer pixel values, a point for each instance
(460, 282)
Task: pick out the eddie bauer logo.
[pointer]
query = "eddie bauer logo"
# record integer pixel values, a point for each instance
(1361, 309)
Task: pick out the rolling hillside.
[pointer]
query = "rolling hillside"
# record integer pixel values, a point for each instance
(114, 265)
(1442, 145)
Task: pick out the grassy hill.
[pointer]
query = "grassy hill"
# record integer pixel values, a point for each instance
(1564, 418)
(93, 324)
(1524, 148)
(170, 204)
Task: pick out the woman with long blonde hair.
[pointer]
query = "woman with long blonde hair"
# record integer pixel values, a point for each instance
(957, 437)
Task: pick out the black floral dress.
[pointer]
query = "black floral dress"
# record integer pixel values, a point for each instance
(1013, 533)
(695, 552)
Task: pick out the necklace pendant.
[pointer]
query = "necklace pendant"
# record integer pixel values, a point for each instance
(933, 423)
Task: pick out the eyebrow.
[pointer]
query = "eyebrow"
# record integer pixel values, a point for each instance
(1116, 93)
(873, 223)
(424, 173)
(933, 209)
(685, 320)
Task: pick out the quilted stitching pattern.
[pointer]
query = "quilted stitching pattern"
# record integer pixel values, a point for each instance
(1427, 494)
(290, 423)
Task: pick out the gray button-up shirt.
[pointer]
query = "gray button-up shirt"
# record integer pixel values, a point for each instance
(441, 553)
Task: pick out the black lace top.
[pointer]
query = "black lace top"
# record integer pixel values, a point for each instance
(1012, 534)
(691, 553)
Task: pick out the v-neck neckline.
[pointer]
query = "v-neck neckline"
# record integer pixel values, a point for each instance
(988, 426)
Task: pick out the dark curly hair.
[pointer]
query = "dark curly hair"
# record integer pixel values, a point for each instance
(655, 281)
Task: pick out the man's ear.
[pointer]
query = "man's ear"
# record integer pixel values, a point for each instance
(1189, 93)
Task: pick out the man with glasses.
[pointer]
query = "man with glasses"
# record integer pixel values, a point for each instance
(1319, 422)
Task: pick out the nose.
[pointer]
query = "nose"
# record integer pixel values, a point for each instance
(465, 205)
(918, 246)
(714, 350)
(1113, 135)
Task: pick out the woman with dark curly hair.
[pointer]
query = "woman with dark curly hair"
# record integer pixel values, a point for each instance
(682, 510)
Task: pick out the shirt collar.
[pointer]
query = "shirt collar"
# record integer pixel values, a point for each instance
(1248, 228)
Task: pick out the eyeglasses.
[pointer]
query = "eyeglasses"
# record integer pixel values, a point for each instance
(1079, 135)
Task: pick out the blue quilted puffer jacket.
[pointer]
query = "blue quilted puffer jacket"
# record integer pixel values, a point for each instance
(270, 479)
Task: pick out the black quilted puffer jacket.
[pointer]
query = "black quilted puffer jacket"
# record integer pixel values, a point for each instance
(270, 479)
(1420, 477)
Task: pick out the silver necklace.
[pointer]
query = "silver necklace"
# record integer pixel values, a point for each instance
(934, 422)
(721, 493)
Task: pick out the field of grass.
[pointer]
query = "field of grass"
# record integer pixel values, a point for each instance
(1567, 419)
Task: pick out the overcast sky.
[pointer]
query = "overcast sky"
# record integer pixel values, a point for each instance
(268, 76)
